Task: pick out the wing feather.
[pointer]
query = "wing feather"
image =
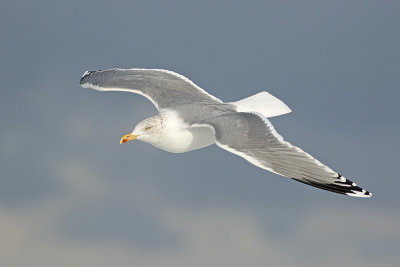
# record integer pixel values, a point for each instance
(164, 88)
(253, 137)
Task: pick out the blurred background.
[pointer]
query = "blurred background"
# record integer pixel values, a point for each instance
(70, 195)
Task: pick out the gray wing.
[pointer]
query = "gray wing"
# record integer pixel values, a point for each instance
(253, 137)
(164, 88)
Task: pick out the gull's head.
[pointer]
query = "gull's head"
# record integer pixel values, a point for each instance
(149, 130)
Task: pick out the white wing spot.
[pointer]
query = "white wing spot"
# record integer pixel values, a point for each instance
(86, 73)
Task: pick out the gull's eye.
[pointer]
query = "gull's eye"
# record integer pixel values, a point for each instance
(147, 128)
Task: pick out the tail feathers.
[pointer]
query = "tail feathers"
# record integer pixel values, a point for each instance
(263, 103)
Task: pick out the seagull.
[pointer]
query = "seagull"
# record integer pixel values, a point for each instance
(190, 118)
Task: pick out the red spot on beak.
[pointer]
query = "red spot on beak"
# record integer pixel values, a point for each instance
(127, 138)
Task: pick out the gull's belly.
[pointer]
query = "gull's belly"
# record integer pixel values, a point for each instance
(186, 139)
(202, 136)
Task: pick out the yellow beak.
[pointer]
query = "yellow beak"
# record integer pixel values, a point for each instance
(127, 137)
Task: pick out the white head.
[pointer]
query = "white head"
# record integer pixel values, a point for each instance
(149, 130)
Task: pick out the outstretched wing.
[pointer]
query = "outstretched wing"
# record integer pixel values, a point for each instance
(253, 137)
(164, 88)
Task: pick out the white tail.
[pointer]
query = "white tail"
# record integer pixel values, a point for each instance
(264, 103)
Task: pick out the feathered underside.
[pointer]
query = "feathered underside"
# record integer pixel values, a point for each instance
(253, 137)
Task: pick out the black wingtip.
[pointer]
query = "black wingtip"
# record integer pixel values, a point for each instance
(353, 189)
(86, 75)
(341, 186)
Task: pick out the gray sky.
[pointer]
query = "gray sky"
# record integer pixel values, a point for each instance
(70, 195)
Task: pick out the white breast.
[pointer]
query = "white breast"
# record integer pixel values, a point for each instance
(178, 137)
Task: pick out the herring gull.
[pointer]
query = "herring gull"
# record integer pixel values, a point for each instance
(190, 118)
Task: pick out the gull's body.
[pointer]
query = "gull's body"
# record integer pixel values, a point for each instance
(180, 137)
(189, 118)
